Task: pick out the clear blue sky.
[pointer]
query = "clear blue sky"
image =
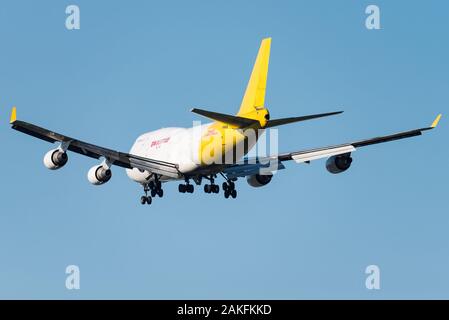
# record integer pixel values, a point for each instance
(136, 66)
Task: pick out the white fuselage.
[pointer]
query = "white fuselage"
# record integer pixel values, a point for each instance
(175, 145)
(188, 148)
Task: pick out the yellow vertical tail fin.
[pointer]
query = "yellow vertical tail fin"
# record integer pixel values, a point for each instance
(254, 97)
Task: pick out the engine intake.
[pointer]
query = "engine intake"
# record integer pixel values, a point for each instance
(55, 159)
(259, 180)
(98, 175)
(338, 164)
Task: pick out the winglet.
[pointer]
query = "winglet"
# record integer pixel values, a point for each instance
(13, 115)
(435, 122)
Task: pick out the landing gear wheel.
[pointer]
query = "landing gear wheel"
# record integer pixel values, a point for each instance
(226, 194)
(160, 193)
(149, 200)
(234, 194)
(211, 188)
(225, 186)
(153, 192)
(182, 188)
(190, 188)
(143, 200)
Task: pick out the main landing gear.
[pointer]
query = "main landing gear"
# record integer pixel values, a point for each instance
(229, 189)
(212, 187)
(228, 186)
(187, 187)
(154, 187)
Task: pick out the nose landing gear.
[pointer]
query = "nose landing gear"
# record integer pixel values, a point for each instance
(146, 199)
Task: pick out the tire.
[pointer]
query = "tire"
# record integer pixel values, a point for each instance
(216, 188)
(143, 200)
(153, 192)
(149, 200)
(231, 185)
(207, 188)
(160, 193)
(225, 186)
(234, 193)
(182, 188)
(190, 188)
(226, 194)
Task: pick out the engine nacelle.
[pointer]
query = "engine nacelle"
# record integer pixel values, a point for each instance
(55, 159)
(259, 180)
(338, 164)
(99, 175)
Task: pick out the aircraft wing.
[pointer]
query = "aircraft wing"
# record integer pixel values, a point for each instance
(273, 163)
(121, 159)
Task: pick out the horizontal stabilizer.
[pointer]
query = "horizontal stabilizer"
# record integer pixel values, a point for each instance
(239, 122)
(279, 122)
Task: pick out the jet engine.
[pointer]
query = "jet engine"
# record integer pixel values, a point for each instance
(259, 180)
(98, 175)
(55, 159)
(338, 164)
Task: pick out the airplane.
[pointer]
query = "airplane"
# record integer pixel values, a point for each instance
(197, 154)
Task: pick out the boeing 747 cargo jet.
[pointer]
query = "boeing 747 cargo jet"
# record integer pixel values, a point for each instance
(202, 153)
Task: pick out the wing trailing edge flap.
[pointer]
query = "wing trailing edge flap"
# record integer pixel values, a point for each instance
(247, 168)
(318, 154)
